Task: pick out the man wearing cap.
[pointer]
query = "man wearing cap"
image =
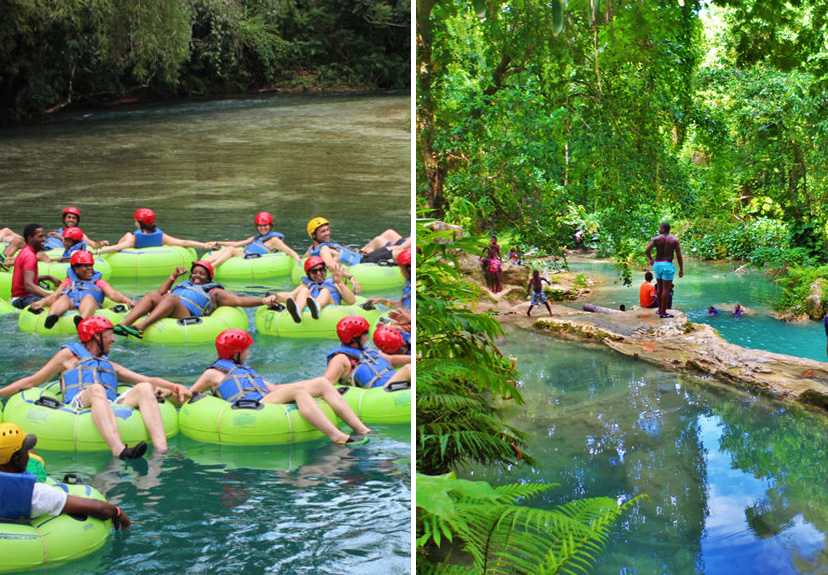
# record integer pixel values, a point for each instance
(25, 498)
(83, 289)
(24, 290)
(197, 297)
(148, 235)
(89, 379)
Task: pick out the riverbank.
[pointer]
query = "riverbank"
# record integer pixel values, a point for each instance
(675, 344)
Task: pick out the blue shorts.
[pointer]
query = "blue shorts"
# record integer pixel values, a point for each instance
(664, 271)
(538, 298)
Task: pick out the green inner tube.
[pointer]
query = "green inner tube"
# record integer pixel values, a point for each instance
(132, 263)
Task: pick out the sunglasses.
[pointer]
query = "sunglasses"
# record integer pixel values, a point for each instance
(316, 270)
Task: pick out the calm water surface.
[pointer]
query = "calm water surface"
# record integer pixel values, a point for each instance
(737, 484)
(715, 283)
(207, 169)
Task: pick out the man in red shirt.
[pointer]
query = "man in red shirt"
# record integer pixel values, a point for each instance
(646, 293)
(25, 290)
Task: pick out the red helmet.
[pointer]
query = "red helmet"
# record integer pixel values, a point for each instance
(388, 339)
(92, 325)
(312, 262)
(81, 257)
(145, 215)
(71, 210)
(404, 257)
(351, 327)
(232, 341)
(73, 234)
(263, 218)
(206, 265)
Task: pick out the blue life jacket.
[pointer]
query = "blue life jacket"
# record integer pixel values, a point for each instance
(145, 240)
(317, 287)
(196, 298)
(370, 369)
(80, 246)
(407, 339)
(54, 243)
(346, 255)
(88, 370)
(257, 247)
(16, 495)
(79, 288)
(241, 381)
(406, 295)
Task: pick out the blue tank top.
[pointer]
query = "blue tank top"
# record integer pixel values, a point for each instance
(257, 247)
(317, 287)
(79, 288)
(16, 495)
(241, 381)
(196, 298)
(370, 368)
(153, 240)
(88, 370)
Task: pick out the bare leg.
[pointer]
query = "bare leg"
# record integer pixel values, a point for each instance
(296, 392)
(301, 295)
(529, 312)
(145, 305)
(168, 306)
(87, 307)
(403, 374)
(659, 288)
(324, 298)
(142, 396)
(103, 417)
(61, 305)
(321, 387)
(388, 236)
(223, 255)
(549, 308)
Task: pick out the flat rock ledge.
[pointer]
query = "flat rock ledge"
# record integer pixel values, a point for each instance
(677, 344)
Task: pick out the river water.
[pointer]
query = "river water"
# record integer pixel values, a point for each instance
(207, 169)
(716, 283)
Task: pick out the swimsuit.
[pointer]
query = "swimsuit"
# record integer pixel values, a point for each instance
(664, 270)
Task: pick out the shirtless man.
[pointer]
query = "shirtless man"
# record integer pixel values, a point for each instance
(663, 268)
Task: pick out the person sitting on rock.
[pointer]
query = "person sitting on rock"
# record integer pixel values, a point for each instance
(148, 235)
(231, 379)
(25, 498)
(196, 297)
(88, 378)
(83, 289)
(353, 364)
(71, 219)
(647, 292)
(317, 290)
(264, 242)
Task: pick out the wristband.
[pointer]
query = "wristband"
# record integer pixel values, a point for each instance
(118, 513)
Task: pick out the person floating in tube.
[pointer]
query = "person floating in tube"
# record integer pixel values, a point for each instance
(148, 235)
(318, 290)
(231, 379)
(264, 242)
(196, 297)
(27, 498)
(89, 379)
(353, 364)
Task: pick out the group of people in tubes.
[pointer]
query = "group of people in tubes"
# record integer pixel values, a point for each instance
(90, 379)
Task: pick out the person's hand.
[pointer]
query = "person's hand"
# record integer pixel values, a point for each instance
(179, 271)
(129, 301)
(121, 522)
(36, 305)
(336, 272)
(103, 243)
(270, 300)
(182, 393)
(681, 273)
(355, 284)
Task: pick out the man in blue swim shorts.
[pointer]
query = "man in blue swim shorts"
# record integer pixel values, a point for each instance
(663, 268)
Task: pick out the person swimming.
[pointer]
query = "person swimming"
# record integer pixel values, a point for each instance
(738, 311)
(712, 311)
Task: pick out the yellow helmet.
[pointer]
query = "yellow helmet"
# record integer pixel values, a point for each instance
(316, 223)
(13, 439)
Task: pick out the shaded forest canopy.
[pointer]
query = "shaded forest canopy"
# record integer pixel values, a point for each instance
(709, 115)
(89, 52)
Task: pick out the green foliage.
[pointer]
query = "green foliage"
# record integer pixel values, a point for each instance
(90, 51)
(459, 366)
(503, 537)
(711, 239)
(796, 286)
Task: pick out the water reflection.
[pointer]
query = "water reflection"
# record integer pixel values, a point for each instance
(736, 483)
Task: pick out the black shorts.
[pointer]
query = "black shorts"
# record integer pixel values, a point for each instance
(375, 256)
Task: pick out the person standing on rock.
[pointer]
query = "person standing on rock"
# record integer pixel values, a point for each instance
(536, 290)
(663, 268)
